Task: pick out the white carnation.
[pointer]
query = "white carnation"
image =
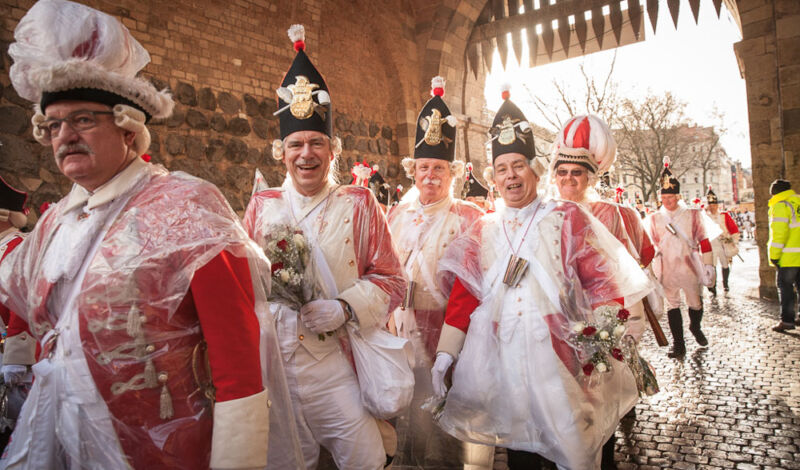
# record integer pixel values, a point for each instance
(284, 275)
(604, 334)
(601, 367)
(299, 241)
(619, 331)
(578, 327)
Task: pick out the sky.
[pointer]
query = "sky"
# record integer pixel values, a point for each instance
(696, 63)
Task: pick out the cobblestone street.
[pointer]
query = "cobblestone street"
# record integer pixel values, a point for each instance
(735, 404)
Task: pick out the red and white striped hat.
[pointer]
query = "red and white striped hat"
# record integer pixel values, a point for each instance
(585, 140)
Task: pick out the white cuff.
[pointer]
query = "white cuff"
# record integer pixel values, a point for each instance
(369, 303)
(241, 433)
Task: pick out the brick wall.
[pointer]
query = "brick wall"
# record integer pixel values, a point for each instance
(223, 61)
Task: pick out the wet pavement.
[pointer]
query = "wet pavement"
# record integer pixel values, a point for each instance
(735, 404)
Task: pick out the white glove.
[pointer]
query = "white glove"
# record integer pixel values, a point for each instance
(14, 373)
(709, 275)
(321, 316)
(439, 370)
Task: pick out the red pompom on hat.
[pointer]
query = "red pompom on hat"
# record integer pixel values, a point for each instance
(297, 34)
(437, 86)
(505, 91)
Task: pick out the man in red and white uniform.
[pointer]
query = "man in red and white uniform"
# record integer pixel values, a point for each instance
(683, 260)
(422, 226)
(355, 276)
(15, 346)
(518, 371)
(12, 218)
(725, 246)
(583, 150)
(124, 280)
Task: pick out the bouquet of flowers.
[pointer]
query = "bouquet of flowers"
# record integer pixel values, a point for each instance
(288, 251)
(599, 341)
(604, 339)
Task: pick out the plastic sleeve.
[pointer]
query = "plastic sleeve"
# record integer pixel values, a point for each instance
(381, 284)
(223, 296)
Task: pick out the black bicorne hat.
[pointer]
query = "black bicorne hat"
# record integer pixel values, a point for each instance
(511, 132)
(669, 185)
(11, 198)
(436, 127)
(303, 100)
(473, 187)
(380, 188)
(711, 197)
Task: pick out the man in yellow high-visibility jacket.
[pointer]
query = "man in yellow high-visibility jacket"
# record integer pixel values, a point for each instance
(784, 247)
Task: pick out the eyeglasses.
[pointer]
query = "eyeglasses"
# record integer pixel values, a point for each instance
(80, 121)
(576, 172)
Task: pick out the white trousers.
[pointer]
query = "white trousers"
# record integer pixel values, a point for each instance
(690, 290)
(718, 252)
(328, 410)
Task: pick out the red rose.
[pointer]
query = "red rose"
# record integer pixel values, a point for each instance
(623, 314)
(276, 266)
(617, 353)
(588, 368)
(283, 244)
(589, 331)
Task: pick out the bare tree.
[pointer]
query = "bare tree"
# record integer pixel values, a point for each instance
(646, 131)
(598, 95)
(706, 156)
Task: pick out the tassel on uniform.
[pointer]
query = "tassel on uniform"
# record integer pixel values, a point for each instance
(140, 345)
(150, 376)
(134, 324)
(166, 410)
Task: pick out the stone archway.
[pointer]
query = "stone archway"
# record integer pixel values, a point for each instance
(769, 59)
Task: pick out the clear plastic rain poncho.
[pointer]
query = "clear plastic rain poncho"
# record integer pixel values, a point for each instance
(123, 377)
(339, 248)
(347, 246)
(421, 235)
(673, 264)
(528, 376)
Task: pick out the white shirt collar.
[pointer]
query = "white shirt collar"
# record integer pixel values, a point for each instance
(119, 184)
(304, 204)
(9, 232)
(416, 205)
(522, 212)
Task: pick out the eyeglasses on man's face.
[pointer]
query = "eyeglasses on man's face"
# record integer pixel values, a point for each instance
(575, 172)
(80, 121)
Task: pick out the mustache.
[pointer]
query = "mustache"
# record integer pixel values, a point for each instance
(434, 181)
(71, 148)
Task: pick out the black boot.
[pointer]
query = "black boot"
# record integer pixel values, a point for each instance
(713, 290)
(607, 458)
(695, 317)
(725, 273)
(676, 328)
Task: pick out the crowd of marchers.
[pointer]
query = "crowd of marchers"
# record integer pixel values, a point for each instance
(147, 326)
